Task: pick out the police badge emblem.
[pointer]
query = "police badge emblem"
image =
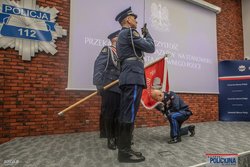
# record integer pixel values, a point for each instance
(28, 28)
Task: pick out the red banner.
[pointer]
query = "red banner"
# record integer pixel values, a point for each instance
(156, 78)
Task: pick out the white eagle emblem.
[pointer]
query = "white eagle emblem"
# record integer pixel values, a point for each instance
(160, 17)
(242, 68)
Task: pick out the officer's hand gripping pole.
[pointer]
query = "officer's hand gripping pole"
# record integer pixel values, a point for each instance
(87, 97)
(105, 88)
(144, 30)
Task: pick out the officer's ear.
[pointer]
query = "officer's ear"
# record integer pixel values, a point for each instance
(127, 19)
(162, 96)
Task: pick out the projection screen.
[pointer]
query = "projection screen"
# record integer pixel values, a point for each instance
(183, 30)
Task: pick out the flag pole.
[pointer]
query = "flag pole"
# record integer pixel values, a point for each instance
(87, 97)
(157, 60)
(105, 88)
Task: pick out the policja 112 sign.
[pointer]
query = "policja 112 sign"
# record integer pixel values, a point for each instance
(28, 28)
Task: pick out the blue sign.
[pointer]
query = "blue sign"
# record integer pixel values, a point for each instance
(234, 87)
(222, 160)
(27, 33)
(17, 31)
(26, 21)
(8, 9)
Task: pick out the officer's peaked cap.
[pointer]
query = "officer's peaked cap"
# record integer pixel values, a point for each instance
(114, 34)
(125, 13)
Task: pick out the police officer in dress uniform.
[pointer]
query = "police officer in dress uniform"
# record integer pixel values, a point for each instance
(110, 106)
(176, 111)
(130, 47)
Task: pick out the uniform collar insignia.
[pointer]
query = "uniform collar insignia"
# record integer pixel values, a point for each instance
(136, 34)
(104, 50)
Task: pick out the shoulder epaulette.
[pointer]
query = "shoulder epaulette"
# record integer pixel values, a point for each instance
(135, 33)
(105, 50)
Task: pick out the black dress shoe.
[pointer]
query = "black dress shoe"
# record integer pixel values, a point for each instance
(112, 144)
(174, 140)
(137, 153)
(191, 129)
(128, 156)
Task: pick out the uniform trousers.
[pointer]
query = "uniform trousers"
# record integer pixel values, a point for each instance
(110, 109)
(130, 102)
(176, 119)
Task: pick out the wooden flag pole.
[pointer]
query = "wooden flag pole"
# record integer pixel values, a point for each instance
(105, 88)
(86, 98)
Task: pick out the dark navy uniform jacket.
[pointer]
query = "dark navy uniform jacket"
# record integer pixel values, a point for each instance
(177, 104)
(132, 71)
(112, 72)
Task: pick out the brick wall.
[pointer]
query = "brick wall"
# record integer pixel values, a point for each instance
(32, 93)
